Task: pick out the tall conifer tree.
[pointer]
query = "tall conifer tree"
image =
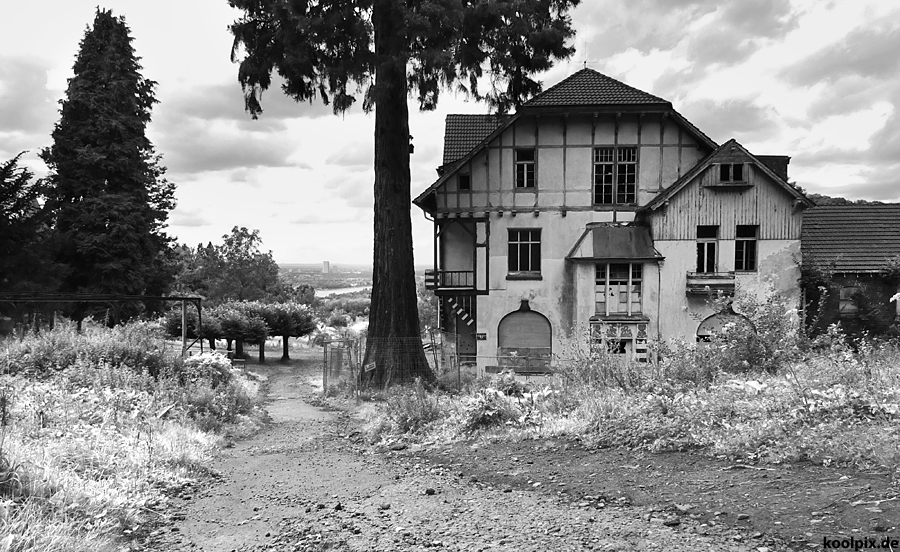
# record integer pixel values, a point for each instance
(106, 190)
(383, 50)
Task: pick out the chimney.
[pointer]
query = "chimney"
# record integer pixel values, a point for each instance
(778, 164)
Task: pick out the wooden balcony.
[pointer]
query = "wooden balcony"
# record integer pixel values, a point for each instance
(449, 279)
(706, 283)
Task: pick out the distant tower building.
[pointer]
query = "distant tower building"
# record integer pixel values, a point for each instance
(326, 267)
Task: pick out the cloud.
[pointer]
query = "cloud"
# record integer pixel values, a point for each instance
(27, 108)
(614, 26)
(196, 148)
(336, 218)
(355, 189)
(739, 118)
(357, 156)
(878, 184)
(225, 102)
(188, 217)
(714, 31)
(864, 52)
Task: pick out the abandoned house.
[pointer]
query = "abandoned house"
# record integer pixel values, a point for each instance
(852, 254)
(598, 216)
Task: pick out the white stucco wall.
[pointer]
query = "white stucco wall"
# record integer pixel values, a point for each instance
(680, 314)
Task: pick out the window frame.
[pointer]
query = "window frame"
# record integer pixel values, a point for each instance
(530, 244)
(726, 172)
(847, 307)
(635, 277)
(616, 345)
(464, 178)
(620, 158)
(525, 172)
(743, 257)
(705, 242)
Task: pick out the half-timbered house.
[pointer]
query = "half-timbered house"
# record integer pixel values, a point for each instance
(597, 215)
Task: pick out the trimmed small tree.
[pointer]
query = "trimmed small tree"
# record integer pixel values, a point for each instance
(291, 320)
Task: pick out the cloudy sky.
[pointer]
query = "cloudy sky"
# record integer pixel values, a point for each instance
(813, 79)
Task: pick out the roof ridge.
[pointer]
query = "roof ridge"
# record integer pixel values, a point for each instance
(604, 90)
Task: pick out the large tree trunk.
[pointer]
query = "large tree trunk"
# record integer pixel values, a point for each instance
(284, 348)
(212, 343)
(393, 343)
(238, 348)
(262, 351)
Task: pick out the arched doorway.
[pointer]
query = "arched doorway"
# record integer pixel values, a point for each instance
(524, 341)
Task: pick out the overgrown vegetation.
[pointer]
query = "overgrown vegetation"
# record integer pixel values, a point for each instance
(761, 393)
(95, 428)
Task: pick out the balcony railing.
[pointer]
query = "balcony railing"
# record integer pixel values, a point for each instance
(449, 279)
(705, 283)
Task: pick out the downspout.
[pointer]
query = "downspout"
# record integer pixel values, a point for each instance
(658, 306)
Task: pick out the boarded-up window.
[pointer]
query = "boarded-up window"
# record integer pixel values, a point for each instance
(524, 339)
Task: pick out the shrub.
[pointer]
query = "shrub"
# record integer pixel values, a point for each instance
(410, 409)
(488, 408)
(211, 367)
(138, 345)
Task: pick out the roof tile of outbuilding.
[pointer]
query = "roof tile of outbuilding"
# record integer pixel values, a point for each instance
(851, 238)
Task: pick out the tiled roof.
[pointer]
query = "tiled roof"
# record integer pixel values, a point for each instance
(463, 132)
(851, 238)
(588, 87)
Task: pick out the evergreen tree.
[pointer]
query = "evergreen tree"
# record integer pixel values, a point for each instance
(385, 49)
(106, 191)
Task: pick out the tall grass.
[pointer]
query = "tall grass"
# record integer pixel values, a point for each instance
(765, 394)
(97, 426)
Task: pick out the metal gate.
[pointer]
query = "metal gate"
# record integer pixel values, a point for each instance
(341, 364)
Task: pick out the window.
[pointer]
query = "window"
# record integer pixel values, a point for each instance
(525, 168)
(731, 172)
(615, 176)
(625, 341)
(847, 306)
(465, 182)
(524, 251)
(745, 248)
(707, 239)
(618, 288)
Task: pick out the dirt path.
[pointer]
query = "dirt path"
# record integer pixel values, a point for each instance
(304, 483)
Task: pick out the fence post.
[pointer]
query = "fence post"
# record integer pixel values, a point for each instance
(183, 328)
(324, 367)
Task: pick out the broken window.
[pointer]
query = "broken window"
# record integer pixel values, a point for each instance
(745, 248)
(847, 306)
(618, 288)
(626, 341)
(615, 175)
(707, 242)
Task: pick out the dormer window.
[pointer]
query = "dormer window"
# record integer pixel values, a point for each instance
(731, 172)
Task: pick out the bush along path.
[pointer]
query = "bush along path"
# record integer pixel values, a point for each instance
(309, 483)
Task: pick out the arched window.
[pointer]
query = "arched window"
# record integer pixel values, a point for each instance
(716, 323)
(525, 340)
